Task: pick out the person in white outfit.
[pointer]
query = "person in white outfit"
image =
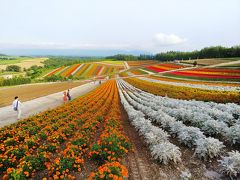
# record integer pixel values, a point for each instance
(17, 105)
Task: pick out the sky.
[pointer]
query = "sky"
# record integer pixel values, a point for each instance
(128, 25)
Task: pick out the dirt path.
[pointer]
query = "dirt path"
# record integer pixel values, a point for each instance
(32, 107)
(126, 65)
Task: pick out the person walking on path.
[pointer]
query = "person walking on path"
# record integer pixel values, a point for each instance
(65, 98)
(68, 95)
(17, 105)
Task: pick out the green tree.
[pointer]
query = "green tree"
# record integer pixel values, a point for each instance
(13, 68)
(195, 63)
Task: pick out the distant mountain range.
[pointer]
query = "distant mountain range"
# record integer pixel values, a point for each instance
(68, 52)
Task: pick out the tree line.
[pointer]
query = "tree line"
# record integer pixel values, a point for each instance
(58, 61)
(208, 52)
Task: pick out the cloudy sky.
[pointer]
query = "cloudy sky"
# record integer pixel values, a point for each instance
(146, 25)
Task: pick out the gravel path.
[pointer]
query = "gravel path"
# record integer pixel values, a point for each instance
(9, 116)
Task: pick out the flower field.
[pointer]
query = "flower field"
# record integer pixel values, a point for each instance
(113, 62)
(210, 130)
(55, 144)
(146, 127)
(163, 78)
(163, 67)
(208, 74)
(86, 70)
(187, 93)
(55, 71)
(140, 63)
(208, 86)
(137, 72)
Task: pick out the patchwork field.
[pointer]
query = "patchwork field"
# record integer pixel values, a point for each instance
(163, 67)
(212, 74)
(151, 69)
(22, 62)
(142, 127)
(86, 70)
(140, 63)
(190, 81)
(96, 137)
(121, 63)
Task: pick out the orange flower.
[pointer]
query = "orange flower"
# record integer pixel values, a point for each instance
(26, 173)
(5, 177)
(55, 177)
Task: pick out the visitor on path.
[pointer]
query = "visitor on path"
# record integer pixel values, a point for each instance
(65, 98)
(68, 95)
(17, 107)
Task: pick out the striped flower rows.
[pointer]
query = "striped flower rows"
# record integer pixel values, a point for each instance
(140, 63)
(211, 119)
(162, 78)
(187, 93)
(198, 86)
(85, 70)
(209, 74)
(163, 67)
(54, 144)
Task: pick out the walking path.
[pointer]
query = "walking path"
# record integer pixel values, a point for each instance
(35, 106)
(126, 65)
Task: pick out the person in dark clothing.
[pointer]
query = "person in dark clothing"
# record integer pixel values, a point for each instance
(68, 95)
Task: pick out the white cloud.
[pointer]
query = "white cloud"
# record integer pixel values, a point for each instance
(162, 39)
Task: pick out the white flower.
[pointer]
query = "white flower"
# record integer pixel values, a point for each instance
(231, 164)
(164, 152)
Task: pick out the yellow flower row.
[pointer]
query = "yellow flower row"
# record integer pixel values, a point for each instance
(186, 93)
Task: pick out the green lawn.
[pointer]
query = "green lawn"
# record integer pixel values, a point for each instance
(5, 62)
(12, 73)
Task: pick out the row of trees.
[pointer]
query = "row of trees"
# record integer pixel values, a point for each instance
(67, 61)
(123, 57)
(208, 52)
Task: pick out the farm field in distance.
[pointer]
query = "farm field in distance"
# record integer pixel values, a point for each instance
(22, 62)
